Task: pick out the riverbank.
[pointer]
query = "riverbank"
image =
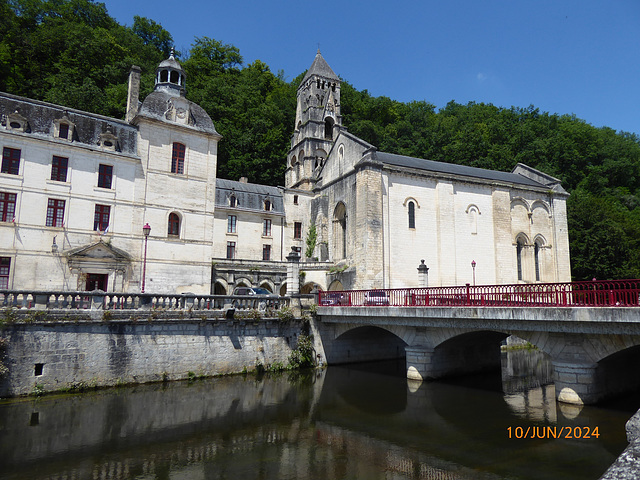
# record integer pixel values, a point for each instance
(66, 354)
(627, 466)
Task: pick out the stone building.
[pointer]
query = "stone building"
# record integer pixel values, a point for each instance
(76, 190)
(378, 214)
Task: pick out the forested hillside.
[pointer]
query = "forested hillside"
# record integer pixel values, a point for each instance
(71, 52)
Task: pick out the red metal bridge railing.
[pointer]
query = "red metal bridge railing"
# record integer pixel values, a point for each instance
(608, 293)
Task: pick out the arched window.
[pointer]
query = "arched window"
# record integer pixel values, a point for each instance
(473, 213)
(328, 128)
(174, 225)
(340, 231)
(411, 209)
(519, 249)
(267, 205)
(537, 252)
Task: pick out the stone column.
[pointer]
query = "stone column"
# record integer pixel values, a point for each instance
(423, 275)
(419, 364)
(576, 383)
(293, 273)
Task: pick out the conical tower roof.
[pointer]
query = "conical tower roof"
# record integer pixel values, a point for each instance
(321, 68)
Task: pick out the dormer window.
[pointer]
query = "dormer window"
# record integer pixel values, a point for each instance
(16, 122)
(108, 141)
(267, 205)
(233, 201)
(63, 128)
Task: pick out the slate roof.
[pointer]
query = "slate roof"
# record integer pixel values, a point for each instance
(250, 196)
(170, 62)
(455, 169)
(321, 68)
(156, 103)
(88, 126)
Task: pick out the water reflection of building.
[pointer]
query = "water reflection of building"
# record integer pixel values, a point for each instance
(282, 427)
(527, 382)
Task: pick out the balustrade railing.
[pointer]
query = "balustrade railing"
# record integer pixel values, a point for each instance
(623, 293)
(41, 300)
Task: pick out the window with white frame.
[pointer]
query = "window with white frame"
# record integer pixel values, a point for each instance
(266, 227)
(7, 206)
(55, 213)
(10, 161)
(5, 269)
(232, 221)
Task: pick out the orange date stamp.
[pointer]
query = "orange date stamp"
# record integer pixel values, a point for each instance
(549, 432)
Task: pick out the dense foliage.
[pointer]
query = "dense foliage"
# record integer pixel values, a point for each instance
(72, 52)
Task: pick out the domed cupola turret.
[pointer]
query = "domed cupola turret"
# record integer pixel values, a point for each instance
(170, 76)
(167, 103)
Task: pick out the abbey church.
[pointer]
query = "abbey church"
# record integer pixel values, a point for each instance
(90, 202)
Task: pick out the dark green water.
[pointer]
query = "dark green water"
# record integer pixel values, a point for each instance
(363, 422)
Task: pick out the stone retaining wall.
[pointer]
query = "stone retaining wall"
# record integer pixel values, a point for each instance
(54, 355)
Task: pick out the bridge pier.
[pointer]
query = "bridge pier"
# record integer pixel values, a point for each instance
(419, 362)
(576, 383)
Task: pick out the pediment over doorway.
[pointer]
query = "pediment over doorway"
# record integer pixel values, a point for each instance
(98, 257)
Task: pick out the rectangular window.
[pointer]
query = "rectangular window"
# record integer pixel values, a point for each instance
(297, 230)
(105, 175)
(231, 250)
(59, 169)
(266, 252)
(7, 206)
(231, 223)
(5, 267)
(101, 218)
(266, 227)
(295, 199)
(55, 213)
(10, 160)
(177, 158)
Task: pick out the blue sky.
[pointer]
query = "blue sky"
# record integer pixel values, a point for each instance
(577, 57)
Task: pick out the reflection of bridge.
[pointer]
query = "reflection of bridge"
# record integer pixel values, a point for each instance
(591, 330)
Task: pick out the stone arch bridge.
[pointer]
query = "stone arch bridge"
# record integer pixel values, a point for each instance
(595, 351)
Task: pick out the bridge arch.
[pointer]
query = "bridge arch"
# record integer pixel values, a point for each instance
(364, 344)
(618, 372)
(467, 352)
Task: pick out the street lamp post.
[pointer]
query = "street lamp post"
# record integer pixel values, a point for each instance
(473, 266)
(146, 230)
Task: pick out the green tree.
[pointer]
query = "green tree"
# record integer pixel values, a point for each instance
(152, 33)
(312, 238)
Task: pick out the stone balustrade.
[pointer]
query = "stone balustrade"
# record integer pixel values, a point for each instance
(99, 300)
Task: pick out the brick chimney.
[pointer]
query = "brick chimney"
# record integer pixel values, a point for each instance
(134, 93)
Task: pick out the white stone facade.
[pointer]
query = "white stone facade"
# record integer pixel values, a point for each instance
(376, 215)
(380, 215)
(82, 229)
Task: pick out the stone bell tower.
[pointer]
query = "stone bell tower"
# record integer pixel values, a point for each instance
(318, 121)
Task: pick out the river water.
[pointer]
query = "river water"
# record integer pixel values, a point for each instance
(356, 422)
